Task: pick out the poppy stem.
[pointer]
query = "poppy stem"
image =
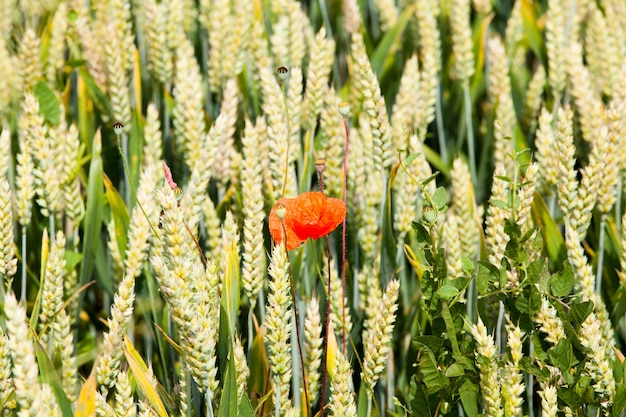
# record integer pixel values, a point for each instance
(327, 324)
(343, 235)
(297, 318)
(282, 84)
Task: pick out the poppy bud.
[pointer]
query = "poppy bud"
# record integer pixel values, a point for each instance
(320, 165)
(281, 211)
(118, 128)
(283, 72)
(344, 109)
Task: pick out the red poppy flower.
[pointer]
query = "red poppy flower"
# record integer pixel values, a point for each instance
(310, 215)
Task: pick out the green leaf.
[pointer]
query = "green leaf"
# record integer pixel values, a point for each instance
(409, 159)
(448, 292)
(468, 265)
(361, 410)
(454, 370)
(469, 398)
(450, 329)
(487, 273)
(49, 106)
(562, 283)
(92, 222)
(228, 400)
(245, 407)
(619, 401)
(579, 312)
(500, 204)
(555, 246)
(421, 233)
(440, 197)
(434, 379)
(50, 376)
(119, 215)
(383, 54)
(419, 400)
(530, 29)
(431, 343)
(561, 355)
(570, 397)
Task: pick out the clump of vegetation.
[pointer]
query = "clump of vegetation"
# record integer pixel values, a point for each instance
(257, 208)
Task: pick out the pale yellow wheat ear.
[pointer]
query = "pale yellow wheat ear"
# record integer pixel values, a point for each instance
(313, 349)
(188, 113)
(549, 400)
(463, 66)
(546, 155)
(32, 398)
(387, 13)
(30, 66)
(556, 48)
(499, 91)
(490, 381)
(333, 140)
(512, 375)
(278, 324)
(589, 106)
(377, 335)
(464, 208)
(599, 359)
(56, 46)
(601, 50)
(224, 129)
(160, 52)
(352, 21)
(253, 265)
(320, 64)
(190, 290)
(342, 401)
(495, 237)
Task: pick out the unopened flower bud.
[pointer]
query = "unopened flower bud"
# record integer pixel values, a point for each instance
(344, 109)
(281, 211)
(283, 72)
(320, 165)
(118, 128)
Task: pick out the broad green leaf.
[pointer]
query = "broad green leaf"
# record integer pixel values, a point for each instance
(448, 292)
(579, 312)
(141, 373)
(419, 399)
(454, 370)
(561, 355)
(49, 106)
(562, 283)
(570, 397)
(50, 376)
(555, 246)
(434, 379)
(361, 410)
(245, 407)
(119, 215)
(450, 328)
(440, 197)
(469, 398)
(432, 343)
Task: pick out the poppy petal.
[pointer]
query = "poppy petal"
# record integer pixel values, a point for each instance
(310, 215)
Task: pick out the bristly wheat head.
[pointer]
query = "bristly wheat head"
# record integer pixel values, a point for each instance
(489, 370)
(320, 64)
(462, 47)
(342, 394)
(464, 208)
(556, 48)
(313, 350)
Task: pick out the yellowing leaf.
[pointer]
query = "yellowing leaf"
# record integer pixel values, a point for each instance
(140, 372)
(86, 403)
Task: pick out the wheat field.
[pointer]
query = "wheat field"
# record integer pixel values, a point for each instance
(173, 181)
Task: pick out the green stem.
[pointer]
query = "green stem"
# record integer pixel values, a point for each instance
(618, 204)
(600, 255)
(23, 295)
(470, 132)
(132, 188)
(441, 133)
(287, 157)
